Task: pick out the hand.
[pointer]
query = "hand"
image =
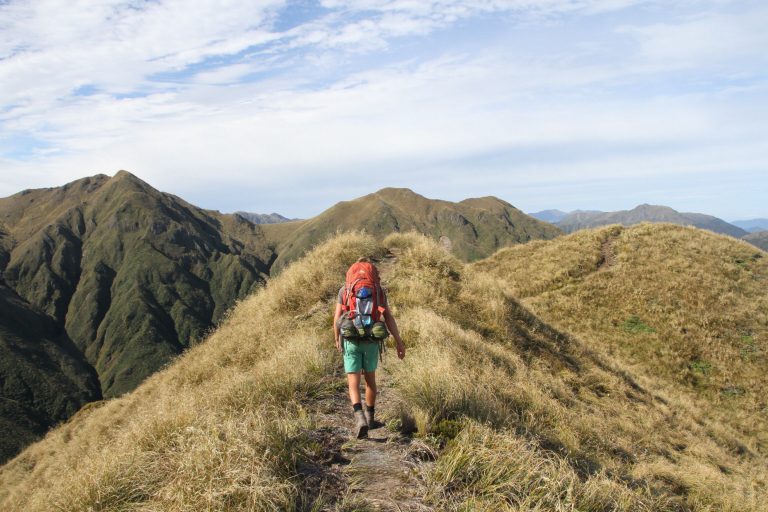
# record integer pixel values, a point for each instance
(401, 350)
(338, 344)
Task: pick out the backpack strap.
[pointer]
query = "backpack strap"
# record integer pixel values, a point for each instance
(380, 299)
(348, 294)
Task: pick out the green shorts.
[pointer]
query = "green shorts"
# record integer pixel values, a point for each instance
(361, 355)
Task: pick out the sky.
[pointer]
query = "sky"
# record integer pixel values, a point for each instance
(291, 106)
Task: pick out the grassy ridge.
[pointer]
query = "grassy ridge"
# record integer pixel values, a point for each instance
(520, 416)
(222, 428)
(132, 276)
(612, 443)
(678, 304)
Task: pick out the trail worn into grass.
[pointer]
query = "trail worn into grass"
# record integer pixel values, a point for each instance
(383, 472)
(607, 253)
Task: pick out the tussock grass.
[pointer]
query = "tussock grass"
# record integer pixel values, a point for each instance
(679, 304)
(221, 429)
(490, 470)
(478, 355)
(519, 415)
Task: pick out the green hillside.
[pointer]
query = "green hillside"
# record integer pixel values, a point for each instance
(43, 378)
(681, 306)
(470, 229)
(497, 409)
(128, 275)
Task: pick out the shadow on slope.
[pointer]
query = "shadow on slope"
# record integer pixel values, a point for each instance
(43, 378)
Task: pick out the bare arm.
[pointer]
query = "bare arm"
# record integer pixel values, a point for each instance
(392, 327)
(336, 316)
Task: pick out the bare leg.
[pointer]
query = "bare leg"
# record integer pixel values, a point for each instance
(370, 388)
(353, 381)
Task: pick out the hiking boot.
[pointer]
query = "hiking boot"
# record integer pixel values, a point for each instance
(361, 426)
(369, 417)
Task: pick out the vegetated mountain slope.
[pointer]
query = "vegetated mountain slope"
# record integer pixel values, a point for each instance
(758, 239)
(264, 218)
(535, 419)
(43, 377)
(471, 229)
(130, 275)
(680, 305)
(647, 213)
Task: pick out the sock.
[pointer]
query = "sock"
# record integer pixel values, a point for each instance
(357, 407)
(370, 408)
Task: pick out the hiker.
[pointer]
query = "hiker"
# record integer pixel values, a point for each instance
(362, 322)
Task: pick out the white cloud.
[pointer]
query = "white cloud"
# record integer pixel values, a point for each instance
(556, 109)
(710, 38)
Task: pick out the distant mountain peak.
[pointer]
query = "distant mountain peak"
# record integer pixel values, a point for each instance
(264, 218)
(551, 216)
(125, 178)
(648, 206)
(491, 203)
(397, 193)
(125, 175)
(647, 213)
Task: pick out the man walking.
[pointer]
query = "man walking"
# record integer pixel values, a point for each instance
(362, 321)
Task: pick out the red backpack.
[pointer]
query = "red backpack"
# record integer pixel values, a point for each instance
(362, 299)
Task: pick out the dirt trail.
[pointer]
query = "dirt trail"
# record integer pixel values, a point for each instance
(607, 254)
(381, 472)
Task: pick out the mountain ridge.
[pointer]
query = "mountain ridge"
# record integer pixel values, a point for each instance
(471, 228)
(131, 276)
(264, 218)
(752, 225)
(647, 213)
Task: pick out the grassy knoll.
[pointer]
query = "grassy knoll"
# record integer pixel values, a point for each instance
(222, 428)
(679, 305)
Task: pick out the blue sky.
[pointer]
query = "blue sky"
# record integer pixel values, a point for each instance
(292, 106)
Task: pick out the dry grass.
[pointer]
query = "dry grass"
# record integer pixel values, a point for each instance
(480, 355)
(221, 429)
(679, 304)
(521, 416)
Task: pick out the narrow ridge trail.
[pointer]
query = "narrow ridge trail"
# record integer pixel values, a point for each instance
(383, 472)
